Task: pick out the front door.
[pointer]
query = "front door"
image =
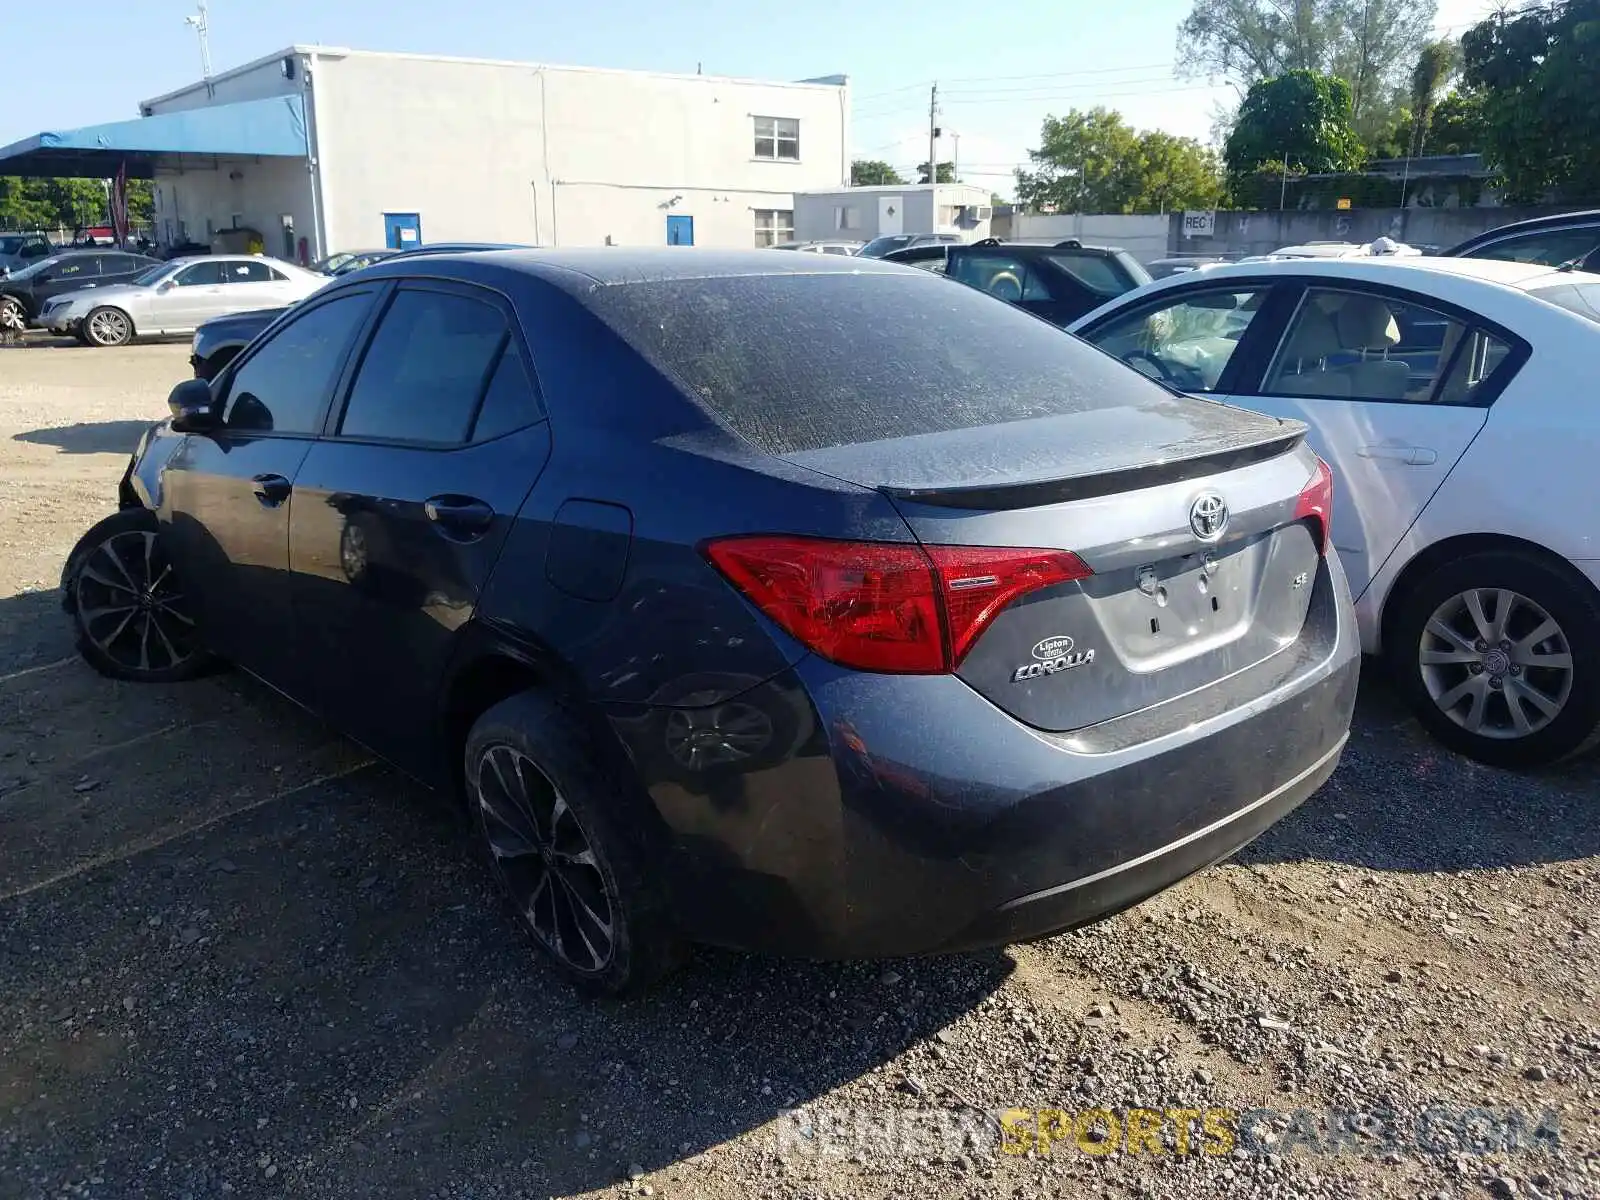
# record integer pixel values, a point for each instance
(680, 231)
(891, 215)
(73, 272)
(401, 511)
(226, 497)
(402, 231)
(1393, 393)
(193, 297)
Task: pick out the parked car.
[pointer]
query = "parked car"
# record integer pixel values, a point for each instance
(1380, 247)
(1552, 241)
(736, 613)
(18, 250)
(349, 260)
(879, 246)
(1437, 389)
(23, 293)
(177, 297)
(820, 247)
(219, 340)
(1059, 281)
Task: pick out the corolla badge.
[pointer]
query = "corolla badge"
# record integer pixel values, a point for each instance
(1053, 655)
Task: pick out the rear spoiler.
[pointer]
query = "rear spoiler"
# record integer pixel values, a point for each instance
(1031, 493)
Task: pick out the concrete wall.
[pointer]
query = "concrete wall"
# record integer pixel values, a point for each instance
(1144, 237)
(854, 213)
(1263, 232)
(558, 155)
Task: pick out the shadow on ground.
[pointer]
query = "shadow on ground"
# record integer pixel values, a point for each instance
(100, 437)
(226, 945)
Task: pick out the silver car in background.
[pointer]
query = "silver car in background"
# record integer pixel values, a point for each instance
(177, 297)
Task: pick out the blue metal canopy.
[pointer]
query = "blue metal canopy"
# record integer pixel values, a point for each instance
(273, 127)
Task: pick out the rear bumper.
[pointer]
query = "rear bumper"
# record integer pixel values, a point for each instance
(905, 815)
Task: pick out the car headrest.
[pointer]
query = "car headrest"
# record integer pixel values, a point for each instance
(1365, 323)
(1315, 337)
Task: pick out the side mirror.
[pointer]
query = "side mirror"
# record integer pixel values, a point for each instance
(193, 407)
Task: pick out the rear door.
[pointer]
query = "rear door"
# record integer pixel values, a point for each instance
(1394, 388)
(226, 497)
(402, 507)
(252, 285)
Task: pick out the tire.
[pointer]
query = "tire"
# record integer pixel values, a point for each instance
(1508, 701)
(122, 626)
(530, 765)
(12, 317)
(107, 326)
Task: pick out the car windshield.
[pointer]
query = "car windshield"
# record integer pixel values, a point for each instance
(793, 363)
(1580, 298)
(880, 246)
(148, 278)
(32, 269)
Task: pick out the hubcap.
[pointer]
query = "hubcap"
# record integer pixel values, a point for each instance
(729, 733)
(130, 607)
(108, 327)
(10, 314)
(544, 860)
(1496, 663)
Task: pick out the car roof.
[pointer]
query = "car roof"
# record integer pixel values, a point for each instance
(608, 265)
(1041, 244)
(1587, 216)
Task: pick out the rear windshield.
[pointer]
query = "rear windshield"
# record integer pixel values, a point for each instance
(1581, 298)
(793, 363)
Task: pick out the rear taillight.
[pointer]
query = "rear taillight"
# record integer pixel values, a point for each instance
(886, 606)
(1316, 500)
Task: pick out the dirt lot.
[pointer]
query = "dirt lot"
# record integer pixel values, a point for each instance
(238, 959)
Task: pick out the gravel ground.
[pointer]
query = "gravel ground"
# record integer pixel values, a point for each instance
(237, 958)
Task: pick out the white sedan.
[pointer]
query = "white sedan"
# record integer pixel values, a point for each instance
(1454, 399)
(178, 297)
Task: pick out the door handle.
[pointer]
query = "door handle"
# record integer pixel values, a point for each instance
(272, 490)
(1412, 456)
(459, 516)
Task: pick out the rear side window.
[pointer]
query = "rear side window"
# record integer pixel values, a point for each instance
(431, 360)
(281, 387)
(1094, 271)
(793, 363)
(251, 272)
(1004, 276)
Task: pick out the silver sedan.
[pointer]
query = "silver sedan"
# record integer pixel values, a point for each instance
(177, 297)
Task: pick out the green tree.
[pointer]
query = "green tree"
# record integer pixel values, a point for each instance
(1535, 70)
(1096, 162)
(1435, 65)
(870, 172)
(141, 201)
(947, 173)
(1300, 120)
(1458, 125)
(1369, 43)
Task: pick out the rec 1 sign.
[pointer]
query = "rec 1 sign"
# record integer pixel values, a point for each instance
(1199, 224)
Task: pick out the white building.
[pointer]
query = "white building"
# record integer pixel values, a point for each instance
(863, 213)
(350, 149)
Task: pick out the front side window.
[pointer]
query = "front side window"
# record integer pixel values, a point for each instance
(77, 267)
(429, 364)
(774, 226)
(1547, 249)
(1003, 276)
(778, 138)
(282, 387)
(1365, 346)
(201, 275)
(1187, 343)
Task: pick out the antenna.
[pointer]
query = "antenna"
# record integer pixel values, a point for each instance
(201, 24)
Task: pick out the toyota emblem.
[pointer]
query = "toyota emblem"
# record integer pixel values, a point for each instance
(1208, 516)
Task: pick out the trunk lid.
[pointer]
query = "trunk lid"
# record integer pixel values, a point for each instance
(1130, 492)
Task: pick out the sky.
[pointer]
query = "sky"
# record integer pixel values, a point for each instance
(1001, 68)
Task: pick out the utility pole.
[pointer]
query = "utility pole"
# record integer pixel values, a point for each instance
(933, 135)
(955, 159)
(201, 23)
(1283, 192)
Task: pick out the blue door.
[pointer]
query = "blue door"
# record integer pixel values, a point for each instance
(680, 231)
(402, 231)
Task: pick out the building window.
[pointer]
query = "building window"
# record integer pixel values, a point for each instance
(774, 226)
(778, 138)
(948, 214)
(846, 216)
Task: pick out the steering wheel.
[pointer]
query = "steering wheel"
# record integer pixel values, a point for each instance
(1163, 372)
